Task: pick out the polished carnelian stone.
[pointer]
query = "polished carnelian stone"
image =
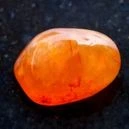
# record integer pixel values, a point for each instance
(61, 66)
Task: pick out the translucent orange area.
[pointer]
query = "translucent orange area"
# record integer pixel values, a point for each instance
(59, 70)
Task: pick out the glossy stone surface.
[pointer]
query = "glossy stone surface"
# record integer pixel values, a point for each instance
(61, 66)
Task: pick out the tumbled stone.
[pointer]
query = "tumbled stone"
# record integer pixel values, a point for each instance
(65, 65)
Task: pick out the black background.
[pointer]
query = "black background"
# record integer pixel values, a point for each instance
(20, 21)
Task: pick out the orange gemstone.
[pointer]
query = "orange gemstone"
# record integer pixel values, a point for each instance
(61, 66)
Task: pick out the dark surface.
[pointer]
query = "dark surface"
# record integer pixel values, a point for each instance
(20, 20)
